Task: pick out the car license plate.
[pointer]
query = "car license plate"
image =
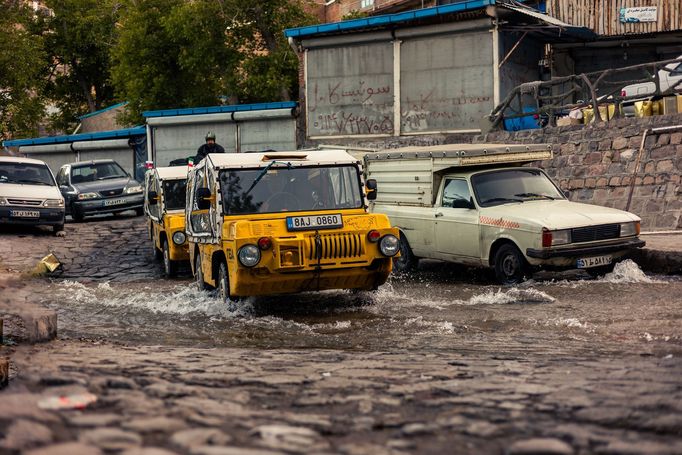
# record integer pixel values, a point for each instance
(596, 261)
(25, 213)
(300, 223)
(113, 202)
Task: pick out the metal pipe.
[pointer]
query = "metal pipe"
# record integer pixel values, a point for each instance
(634, 172)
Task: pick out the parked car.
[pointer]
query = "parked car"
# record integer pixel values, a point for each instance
(29, 194)
(165, 193)
(474, 204)
(100, 186)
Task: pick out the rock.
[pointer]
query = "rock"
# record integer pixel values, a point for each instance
(148, 451)
(94, 420)
(637, 448)
(412, 429)
(224, 450)
(4, 366)
(196, 437)
(290, 438)
(481, 428)
(69, 448)
(111, 439)
(540, 446)
(24, 405)
(154, 424)
(23, 434)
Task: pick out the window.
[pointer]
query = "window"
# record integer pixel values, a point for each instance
(62, 179)
(26, 174)
(366, 3)
(174, 194)
(199, 218)
(456, 194)
(513, 185)
(96, 171)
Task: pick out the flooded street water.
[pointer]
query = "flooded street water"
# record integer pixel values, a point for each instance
(431, 310)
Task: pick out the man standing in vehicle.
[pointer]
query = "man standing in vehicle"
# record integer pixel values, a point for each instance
(209, 147)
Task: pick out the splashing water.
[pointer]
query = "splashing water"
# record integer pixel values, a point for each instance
(627, 271)
(513, 295)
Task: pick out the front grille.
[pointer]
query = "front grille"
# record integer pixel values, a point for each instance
(108, 193)
(593, 233)
(28, 202)
(335, 246)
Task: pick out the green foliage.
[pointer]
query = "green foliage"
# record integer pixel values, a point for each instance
(354, 14)
(21, 106)
(78, 37)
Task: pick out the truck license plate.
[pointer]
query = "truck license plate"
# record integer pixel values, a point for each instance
(113, 202)
(300, 223)
(25, 213)
(596, 261)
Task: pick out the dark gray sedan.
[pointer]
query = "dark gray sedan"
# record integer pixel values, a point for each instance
(100, 186)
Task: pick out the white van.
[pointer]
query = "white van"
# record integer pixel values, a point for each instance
(29, 194)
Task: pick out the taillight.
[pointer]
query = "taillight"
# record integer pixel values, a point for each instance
(264, 243)
(546, 238)
(623, 93)
(373, 236)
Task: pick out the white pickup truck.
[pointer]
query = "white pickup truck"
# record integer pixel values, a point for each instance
(475, 204)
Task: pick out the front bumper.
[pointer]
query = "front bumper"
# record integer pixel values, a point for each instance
(47, 216)
(581, 251)
(127, 202)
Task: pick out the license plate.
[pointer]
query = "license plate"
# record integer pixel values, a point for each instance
(114, 201)
(25, 213)
(596, 261)
(300, 223)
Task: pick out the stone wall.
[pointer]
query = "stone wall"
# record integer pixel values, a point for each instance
(601, 164)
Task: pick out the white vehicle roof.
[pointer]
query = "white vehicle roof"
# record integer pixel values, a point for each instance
(455, 150)
(296, 158)
(19, 159)
(172, 172)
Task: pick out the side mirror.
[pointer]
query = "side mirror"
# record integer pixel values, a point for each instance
(203, 197)
(153, 198)
(371, 186)
(462, 204)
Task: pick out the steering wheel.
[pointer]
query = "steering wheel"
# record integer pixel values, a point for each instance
(282, 201)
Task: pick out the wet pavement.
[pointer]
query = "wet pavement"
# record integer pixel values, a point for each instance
(440, 361)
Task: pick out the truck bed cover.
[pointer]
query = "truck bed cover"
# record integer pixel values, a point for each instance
(411, 175)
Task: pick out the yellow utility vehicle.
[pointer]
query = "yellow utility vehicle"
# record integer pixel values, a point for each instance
(164, 204)
(285, 222)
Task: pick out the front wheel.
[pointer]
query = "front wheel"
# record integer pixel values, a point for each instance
(139, 211)
(169, 266)
(510, 265)
(407, 261)
(224, 285)
(76, 214)
(199, 274)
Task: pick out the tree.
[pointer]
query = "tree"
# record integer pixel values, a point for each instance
(78, 38)
(180, 53)
(21, 52)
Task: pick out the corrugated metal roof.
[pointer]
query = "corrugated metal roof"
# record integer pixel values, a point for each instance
(387, 19)
(128, 132)
(91, 114)
(220, 109)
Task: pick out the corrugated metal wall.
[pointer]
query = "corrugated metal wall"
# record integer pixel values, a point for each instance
(602, 16)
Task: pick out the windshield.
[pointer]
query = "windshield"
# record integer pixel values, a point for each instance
(513, 185)
(96, 171)
(280, 189)
(26, 173)
(174, 194)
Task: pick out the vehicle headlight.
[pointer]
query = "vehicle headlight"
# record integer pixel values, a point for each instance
(133, 189)
(53, 203)
(249, 255)
(389, 245)
(87, 196)
(179, 238)
(3, 201)
(551, 238)
(629, 229)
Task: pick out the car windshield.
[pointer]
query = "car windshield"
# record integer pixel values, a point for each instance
(512, 186)
(278, 189)
(26, 173)
(96, 171)
(174, 194)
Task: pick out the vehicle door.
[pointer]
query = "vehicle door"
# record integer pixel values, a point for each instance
(199, 221)
(151, 189)
(456, 228)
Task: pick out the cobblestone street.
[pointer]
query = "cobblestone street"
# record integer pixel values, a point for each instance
(575, 367)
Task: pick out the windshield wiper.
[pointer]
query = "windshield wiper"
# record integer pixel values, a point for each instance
(31, 182)
(546, 196)
(502, 199)
(265, 171)
(110, 177)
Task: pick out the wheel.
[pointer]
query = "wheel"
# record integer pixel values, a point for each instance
(169, 266)
(76, 214)
(406, 261)
(156, 253)
(602, 270)
(139, 211)
(199, 274)
(282, 201)
(510, 265)
(58, 228)
(224, 285)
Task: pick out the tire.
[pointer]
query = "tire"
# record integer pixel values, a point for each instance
(224, 285)
(58, 228)
(157, 255)
(199, 274)
(510, 265)
(407, 262)
(139, 211)
(169, 266)
(76, 214)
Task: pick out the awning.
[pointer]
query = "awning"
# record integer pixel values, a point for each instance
(549, 29)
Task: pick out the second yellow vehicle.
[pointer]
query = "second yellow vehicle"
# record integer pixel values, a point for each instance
(165, 193)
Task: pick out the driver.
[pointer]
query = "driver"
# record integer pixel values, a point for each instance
(277, 199)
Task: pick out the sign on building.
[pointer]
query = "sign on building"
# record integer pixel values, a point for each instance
(639, 14)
